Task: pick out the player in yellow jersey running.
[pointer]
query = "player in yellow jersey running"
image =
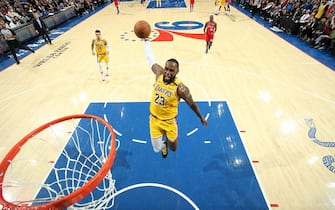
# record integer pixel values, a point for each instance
(166, 95)
(101, 48)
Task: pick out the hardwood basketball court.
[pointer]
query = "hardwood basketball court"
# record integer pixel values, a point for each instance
(271, 88)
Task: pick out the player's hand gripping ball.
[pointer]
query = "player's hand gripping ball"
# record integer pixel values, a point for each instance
(142, 29)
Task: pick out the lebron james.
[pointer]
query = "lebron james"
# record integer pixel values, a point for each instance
(166, 95)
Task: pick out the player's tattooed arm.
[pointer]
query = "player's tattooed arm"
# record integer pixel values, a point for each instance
(157, 70)
(184, 92)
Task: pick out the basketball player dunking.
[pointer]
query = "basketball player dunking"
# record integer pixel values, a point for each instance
(166, 95)
(102, 51)
(209, 30)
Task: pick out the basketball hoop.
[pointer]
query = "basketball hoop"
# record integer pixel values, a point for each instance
(69, 164)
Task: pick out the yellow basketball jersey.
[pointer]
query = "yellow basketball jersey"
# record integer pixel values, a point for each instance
(100, 46)
(321, 11)
(164, 100)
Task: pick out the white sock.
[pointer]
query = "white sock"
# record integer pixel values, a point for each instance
(100, 67)
(157, 144)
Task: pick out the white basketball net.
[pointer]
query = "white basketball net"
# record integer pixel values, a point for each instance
(58, 161)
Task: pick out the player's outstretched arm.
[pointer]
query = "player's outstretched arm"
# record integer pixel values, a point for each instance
(184, 93)
(205, 27)
(156, 69)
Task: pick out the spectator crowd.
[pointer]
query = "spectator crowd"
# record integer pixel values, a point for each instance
(19, 12)
(310, 20)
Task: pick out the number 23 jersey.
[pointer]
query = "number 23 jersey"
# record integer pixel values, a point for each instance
(164, 100)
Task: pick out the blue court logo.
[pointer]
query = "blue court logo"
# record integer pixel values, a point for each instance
(179, 25)
(166, 30)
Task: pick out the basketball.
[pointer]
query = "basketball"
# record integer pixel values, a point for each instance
(142, 29)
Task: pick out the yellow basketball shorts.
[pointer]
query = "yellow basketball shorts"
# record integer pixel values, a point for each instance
(102, 58)
(158, 128)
